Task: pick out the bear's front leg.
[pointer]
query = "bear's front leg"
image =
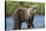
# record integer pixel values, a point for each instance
(30, 22)
(17, 25)
(30, 25)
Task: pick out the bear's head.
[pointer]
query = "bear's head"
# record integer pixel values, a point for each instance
(32, 11)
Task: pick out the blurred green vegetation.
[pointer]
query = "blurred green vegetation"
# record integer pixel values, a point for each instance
(12, 5)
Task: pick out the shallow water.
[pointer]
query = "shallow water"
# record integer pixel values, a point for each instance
(38, 22)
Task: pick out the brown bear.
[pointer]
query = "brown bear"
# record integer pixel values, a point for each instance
(24, 14)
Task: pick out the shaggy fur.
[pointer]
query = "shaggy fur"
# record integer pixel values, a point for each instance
(24, 14)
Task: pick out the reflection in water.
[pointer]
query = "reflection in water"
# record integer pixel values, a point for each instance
(38, 22)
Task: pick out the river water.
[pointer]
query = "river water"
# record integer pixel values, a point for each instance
(39, 22)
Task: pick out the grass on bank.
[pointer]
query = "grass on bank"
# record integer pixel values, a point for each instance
(12, 5)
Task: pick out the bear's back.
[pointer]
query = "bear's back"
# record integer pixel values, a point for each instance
(21, 13)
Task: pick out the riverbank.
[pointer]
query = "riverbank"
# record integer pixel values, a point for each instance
(12, 5)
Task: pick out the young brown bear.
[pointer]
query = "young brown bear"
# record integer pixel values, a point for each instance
(23, 14)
